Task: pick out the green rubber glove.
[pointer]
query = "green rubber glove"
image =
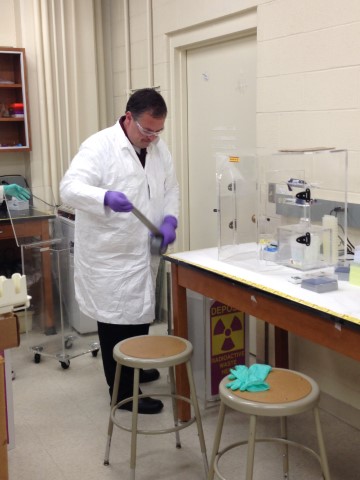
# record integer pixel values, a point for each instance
(15, 190)
(251, 379)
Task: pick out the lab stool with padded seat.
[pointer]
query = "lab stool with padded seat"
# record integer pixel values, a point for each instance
(154, 351)
(290, 393)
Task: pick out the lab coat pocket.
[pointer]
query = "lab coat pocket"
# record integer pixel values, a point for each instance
(138, 305)
(109, 292)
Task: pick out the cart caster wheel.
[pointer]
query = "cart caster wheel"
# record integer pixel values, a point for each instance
(37, 358)
(95, 352)
(68, 343)
(65, 365)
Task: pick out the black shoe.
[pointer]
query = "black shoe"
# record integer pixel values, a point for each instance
(149, 375)
(147, 406)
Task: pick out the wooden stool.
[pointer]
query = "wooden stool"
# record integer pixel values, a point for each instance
(154, 351)
(290, 393)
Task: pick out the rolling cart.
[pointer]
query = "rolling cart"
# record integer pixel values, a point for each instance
(45, 256)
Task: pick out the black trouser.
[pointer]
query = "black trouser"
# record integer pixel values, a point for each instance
(109, 336)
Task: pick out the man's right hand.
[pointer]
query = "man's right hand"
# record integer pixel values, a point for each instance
(117, 201)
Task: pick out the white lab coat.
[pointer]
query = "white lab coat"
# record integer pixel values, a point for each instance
(115, 273)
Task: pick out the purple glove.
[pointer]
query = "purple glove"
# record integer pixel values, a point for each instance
(117, 201)
(167, 229)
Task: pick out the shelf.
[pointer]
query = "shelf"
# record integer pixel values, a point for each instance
(12, 119)
(14, 131)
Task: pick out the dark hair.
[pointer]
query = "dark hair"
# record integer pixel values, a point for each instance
(146, 100)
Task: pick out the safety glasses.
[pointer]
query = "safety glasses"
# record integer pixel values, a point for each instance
(146, 132)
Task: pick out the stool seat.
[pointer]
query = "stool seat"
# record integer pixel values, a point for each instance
(153, 351)
(290, 393)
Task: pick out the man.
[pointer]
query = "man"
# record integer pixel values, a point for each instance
(115, 169)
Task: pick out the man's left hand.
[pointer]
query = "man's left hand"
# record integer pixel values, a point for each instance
(168, 230)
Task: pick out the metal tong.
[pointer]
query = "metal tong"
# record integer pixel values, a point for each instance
(156, 238)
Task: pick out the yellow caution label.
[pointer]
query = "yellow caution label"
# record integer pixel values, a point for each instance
(227, 333)
(234, 159)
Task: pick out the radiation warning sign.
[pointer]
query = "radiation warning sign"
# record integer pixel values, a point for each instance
(227, 341)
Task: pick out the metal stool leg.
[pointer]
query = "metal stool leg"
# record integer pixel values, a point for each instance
(218, 432)
(174, 405)
(113, 402)
(251, 448)
(134, 423)
(321, 443)
(283, 425)
(197, 415)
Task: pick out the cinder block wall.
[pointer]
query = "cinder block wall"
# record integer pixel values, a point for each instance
(308, 95)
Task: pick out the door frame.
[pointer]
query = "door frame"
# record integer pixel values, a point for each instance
(229, 27)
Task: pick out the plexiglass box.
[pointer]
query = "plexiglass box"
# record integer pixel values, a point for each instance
(303, 195)
(304, 246)
(237, 207)
(288, 208)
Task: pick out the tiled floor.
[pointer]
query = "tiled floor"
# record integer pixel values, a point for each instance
(61, 426)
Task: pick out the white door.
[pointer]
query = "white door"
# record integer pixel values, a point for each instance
(221, 103)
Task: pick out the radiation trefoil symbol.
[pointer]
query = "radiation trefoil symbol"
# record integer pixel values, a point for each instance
(223, 338)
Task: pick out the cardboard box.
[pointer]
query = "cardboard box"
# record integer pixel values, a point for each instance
(9, 331)
(3, 434)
